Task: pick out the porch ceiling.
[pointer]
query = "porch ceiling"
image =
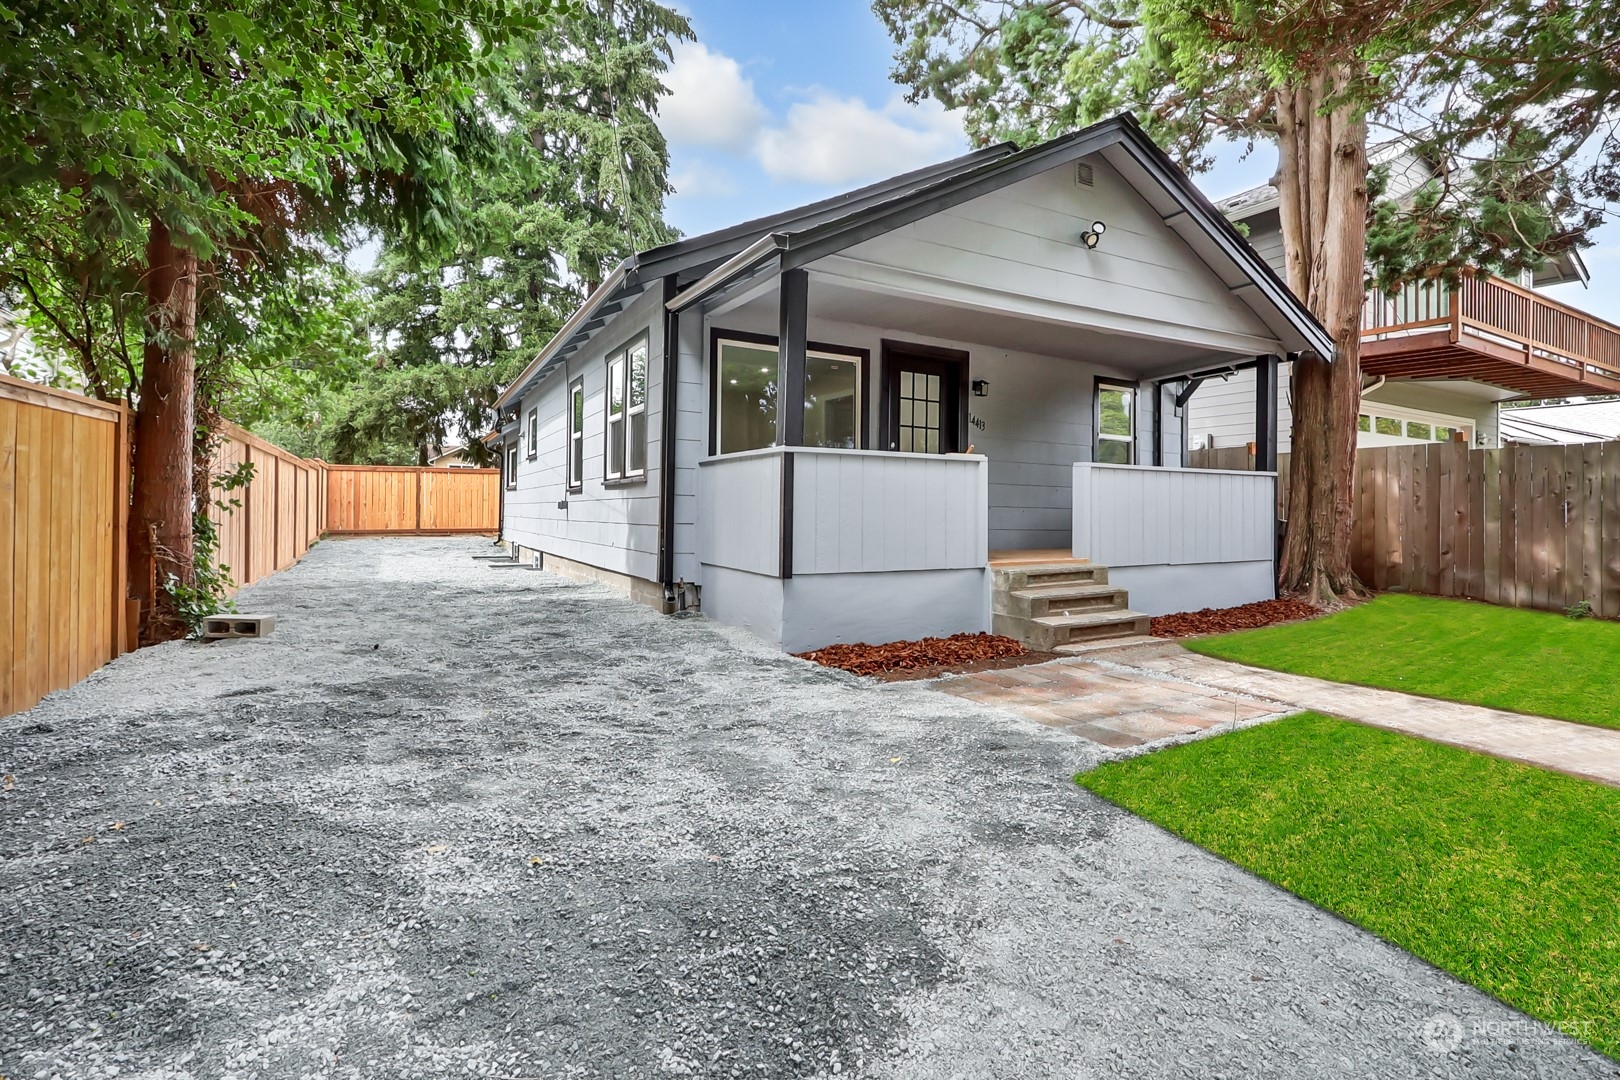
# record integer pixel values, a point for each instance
(1125, 353)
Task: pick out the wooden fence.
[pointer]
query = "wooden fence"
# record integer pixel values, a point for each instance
(64, 509)
(1524, 526)
(385, 499)
(281, 512)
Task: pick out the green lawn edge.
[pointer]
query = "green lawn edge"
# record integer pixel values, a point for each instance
(1501, 874)
(1531, 662)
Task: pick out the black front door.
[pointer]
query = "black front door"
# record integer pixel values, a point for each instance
(923, 400)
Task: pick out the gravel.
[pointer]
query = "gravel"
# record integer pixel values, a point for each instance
(451, 820)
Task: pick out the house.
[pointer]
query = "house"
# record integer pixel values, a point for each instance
(939, 403)
(1438, 359)
(452, 457)
(1567, 423)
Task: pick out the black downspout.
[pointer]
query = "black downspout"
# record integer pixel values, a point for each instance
(666, 446)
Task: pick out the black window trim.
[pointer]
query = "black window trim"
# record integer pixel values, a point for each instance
(719, 334)
(625, 478)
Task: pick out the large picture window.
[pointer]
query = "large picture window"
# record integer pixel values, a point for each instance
(1116, 423)
(627, 412)
(576, 435)
(745, 395)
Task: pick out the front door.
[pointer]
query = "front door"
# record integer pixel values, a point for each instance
(923, 400)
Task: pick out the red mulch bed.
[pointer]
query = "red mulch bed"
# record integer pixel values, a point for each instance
(934, 652)
(1225, 620)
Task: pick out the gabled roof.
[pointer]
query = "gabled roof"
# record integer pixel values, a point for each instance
(800, 236)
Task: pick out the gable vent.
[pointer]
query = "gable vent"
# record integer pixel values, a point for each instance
(1082, 173)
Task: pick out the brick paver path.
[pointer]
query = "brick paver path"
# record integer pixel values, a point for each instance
(1144, 693)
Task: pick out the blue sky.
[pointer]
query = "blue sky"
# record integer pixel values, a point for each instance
(779, 104)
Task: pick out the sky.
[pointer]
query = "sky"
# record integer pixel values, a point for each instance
(778, 104)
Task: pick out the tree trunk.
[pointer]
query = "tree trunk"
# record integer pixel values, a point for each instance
(160, 534)
(1322, 183)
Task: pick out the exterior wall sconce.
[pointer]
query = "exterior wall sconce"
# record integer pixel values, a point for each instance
(981, 387)
(1091, 236)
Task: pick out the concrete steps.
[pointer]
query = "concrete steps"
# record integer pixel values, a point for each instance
(1052, 606)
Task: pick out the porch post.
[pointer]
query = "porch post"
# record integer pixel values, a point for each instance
(1265, 413)
(793, 304)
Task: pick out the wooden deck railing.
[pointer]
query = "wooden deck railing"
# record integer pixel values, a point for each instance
(1501, 311)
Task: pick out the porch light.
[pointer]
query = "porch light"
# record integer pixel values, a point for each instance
(981, 387)
(1094, 234)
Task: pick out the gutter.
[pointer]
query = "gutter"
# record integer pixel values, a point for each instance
(746, 259)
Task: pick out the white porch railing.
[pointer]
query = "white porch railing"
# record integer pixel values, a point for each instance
(1138, 515)
(739, 522)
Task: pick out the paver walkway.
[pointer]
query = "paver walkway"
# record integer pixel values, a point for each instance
(1142, 693)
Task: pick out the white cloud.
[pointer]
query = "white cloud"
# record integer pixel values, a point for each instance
(699, 179)
(840, 140)
(710, 102)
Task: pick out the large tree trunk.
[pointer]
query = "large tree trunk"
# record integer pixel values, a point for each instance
(1322, 181)
(160, 535)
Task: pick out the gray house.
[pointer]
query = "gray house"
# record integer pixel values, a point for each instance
(935, 404)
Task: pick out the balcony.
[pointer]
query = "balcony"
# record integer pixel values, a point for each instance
(1492, 331)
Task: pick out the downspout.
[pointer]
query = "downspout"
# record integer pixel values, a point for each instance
(666, 447)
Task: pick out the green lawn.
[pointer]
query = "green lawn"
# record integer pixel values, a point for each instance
(1525, 661)
(1502, 874)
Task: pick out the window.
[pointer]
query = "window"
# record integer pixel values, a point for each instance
(1386, 425)
(627, 412)
(576, 435)
(1395, 425)
(511, 465)
(534, 433)
(745, 395)
(1116, 423)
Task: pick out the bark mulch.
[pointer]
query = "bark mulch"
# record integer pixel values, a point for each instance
(941, 653)
(1225, 620)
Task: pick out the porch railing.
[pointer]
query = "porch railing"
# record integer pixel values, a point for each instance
(1138, 515)
(786, 511)
(1500, 311)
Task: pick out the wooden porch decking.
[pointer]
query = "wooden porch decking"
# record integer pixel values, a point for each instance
(1035, 557)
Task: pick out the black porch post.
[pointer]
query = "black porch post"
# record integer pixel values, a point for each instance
(794, 305)
(1265, 414)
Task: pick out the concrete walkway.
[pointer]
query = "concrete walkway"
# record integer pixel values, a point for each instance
(1161, 678)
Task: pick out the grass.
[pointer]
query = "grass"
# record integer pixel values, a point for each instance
(1506, 658)
(1502, 874)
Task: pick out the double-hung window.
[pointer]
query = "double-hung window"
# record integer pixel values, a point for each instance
(745, 372)
(534, 433)
(1116, 423)
(511, 465)
(627, 412)
(576, 434)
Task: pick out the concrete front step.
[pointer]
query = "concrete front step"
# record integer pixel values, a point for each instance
(1062, 599)
(1089, 648)
(1013, 578)
(1050, 631)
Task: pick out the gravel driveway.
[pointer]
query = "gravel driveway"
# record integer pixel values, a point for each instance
(452, 820)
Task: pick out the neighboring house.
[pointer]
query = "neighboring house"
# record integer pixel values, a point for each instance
(452, 457)
(832, 423)
(1438, 360)
(1576, 422)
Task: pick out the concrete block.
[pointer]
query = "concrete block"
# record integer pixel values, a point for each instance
(216, 627)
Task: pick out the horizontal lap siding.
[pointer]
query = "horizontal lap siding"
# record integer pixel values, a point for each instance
(741, 526)
(1156, 517)
(1023, 240)
(863, 513)
(613, 527)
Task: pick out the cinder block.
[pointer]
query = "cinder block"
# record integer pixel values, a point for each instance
(237, 626)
